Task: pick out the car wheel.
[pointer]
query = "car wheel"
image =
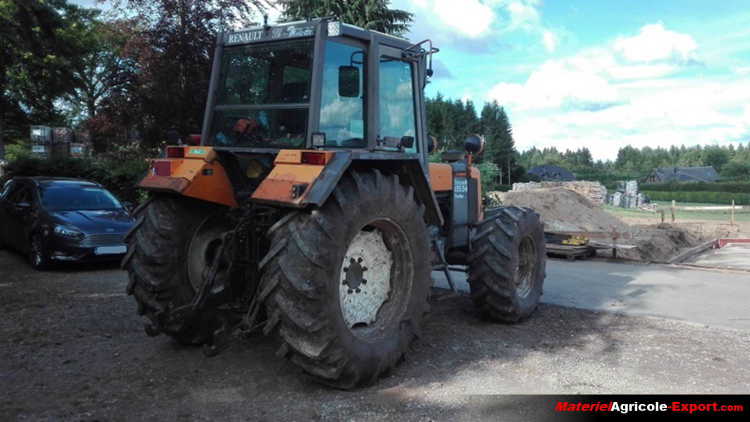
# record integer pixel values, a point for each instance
(38, 257)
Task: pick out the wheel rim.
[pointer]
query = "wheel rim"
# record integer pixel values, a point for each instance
(526, 266)
(205, 244)
(375, 278)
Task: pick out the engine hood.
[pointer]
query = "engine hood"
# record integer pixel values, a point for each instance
(95, 222)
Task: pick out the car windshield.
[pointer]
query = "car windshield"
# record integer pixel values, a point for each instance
(78, 198)
(263, 95)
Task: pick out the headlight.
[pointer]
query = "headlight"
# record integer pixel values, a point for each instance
(69, 232)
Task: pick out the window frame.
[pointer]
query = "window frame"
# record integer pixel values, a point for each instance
(365, 88)
(395, 54)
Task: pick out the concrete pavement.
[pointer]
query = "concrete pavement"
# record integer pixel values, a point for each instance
(708, 297)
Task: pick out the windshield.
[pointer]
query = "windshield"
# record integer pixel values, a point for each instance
(58, 198)
(263, 95)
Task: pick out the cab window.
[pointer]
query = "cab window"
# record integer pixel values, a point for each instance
(343, 96)
(397, 109)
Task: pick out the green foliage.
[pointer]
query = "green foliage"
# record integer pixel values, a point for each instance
(17, 151)
(451, 121)
(118, 176)
(700, 197)
(733, 163)
(368, 14)
(731, 187)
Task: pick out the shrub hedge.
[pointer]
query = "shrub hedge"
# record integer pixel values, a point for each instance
(117, 175)
(733, 187)
(700, 197)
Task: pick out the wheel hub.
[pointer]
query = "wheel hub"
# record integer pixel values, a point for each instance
(204, 246)
(365, 279)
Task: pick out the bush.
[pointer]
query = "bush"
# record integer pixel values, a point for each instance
(118, 176)
(732, 187)
(700, 197)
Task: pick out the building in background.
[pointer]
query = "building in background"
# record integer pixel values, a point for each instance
(550, 173)
(683, 174)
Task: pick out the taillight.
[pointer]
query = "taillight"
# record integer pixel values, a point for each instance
(312, 157)
(162, 168)
(175, 152)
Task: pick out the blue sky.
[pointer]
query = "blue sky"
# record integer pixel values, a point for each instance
(600, 74)
(596, 73)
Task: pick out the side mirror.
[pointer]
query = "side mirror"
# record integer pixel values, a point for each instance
(348, 81)
(474, 144)
(128, 206)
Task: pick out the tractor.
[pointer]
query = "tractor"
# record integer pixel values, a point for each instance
(307, 208)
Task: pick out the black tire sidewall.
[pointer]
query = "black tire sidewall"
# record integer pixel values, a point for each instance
(530, 226)
(394, 341)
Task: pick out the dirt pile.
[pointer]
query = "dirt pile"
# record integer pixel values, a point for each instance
(563, 210)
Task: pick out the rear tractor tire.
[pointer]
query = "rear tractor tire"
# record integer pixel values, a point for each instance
(507, 264)
(346, 285)
(173, 240)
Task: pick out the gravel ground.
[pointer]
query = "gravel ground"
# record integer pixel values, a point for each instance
(72, 348)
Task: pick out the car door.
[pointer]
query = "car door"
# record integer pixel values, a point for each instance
(20, 216)
(5, 209)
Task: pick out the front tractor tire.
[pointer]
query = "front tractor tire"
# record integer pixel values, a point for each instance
(173, 240)
(507, 264)
(346, 286)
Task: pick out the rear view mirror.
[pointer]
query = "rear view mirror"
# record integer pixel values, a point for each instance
(348, 81)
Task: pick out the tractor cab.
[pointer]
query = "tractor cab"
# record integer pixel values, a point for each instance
(316, 84)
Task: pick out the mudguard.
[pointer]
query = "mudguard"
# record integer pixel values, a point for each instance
(304, 178)
(193, 172)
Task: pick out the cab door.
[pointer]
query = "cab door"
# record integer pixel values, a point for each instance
(398, 93)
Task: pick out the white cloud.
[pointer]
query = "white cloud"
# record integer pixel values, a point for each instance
(550, 41)
(471, 18)
(655, 43)
(523, 14)
(616, 95)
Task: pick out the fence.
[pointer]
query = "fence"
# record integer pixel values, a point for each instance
(672, 210)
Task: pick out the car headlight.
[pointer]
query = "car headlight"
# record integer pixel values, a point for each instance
(69, 232)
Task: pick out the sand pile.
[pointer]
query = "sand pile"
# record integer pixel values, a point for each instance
(563, 210)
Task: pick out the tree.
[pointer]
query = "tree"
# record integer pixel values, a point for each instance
(171, 46)
(103, 69)
(368, 14)
(500, 148)
(39, 42)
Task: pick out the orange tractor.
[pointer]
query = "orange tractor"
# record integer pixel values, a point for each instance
(308, 208)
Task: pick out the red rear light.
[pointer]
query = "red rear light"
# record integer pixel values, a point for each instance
(316, 158)
(175, 152)
(194, 140)
(162, 168)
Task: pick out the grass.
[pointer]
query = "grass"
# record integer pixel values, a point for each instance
(741, 215)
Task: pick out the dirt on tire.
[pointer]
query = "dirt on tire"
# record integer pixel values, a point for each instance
(494, 265)
(301, 277)
(156, 264)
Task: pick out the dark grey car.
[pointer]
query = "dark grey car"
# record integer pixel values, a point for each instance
(55, 220)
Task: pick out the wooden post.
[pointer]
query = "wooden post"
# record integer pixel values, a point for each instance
(731, 218)
(673, 209)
